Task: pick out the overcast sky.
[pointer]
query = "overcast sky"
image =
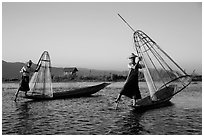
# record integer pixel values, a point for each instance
(91, 35)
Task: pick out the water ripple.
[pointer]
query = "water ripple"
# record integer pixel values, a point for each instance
(96, 115)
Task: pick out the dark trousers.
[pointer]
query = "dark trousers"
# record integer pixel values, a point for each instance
(24, 84)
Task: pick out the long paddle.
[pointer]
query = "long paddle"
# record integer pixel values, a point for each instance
(116, 106)
(117, 101)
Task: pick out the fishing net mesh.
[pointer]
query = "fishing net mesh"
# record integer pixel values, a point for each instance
(164, 71)
(41, 82)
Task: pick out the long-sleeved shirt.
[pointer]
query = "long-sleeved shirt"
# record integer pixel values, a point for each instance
(133, 65)
(26, 71)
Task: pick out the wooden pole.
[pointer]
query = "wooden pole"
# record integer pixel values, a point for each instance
(117, 103)
(16, 94)
(126, 23)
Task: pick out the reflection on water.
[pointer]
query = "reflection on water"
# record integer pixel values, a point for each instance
(96, 115)
(23, 124)
(130, 124)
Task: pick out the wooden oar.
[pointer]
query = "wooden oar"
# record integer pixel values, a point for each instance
(16, 94)
(117, 103)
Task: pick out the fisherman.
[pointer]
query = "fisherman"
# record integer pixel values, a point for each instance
(131, 87)
(26, 73)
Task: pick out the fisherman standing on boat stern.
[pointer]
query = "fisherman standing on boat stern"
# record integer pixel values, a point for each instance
(24, 83)
(131, 87)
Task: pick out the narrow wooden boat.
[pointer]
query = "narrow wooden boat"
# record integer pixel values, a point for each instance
(79, 92)
(163, 98)
(41, 84)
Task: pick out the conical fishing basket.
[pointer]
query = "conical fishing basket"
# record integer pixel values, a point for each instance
(41, 82)
(163, 70)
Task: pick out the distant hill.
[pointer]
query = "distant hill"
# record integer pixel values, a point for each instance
(10, 70)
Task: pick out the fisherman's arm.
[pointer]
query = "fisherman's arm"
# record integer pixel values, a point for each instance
(37, 69)
(140, 66)
(131, 66)
(31, 69)
(22, 69)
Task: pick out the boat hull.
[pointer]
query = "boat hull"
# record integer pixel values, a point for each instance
(80, 92)
(152, 104)
(163, 98)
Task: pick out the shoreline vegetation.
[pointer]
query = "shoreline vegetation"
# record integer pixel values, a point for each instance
(10, 73)
(76, 78)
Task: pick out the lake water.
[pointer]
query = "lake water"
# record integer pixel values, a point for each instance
(96, 115)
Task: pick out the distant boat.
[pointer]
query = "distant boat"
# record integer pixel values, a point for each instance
(74, 93)
(41, 84)
(164, 77)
